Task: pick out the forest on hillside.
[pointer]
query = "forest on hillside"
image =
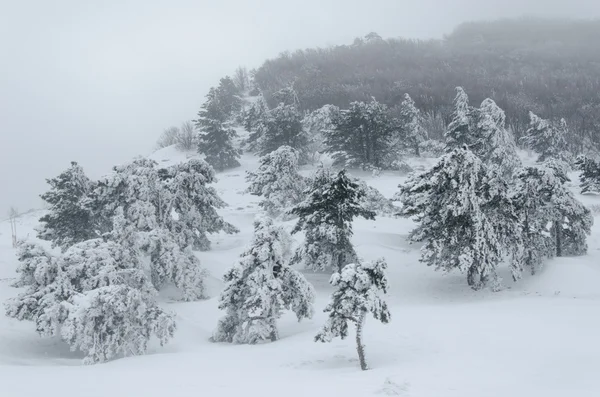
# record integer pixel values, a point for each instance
(549, 67)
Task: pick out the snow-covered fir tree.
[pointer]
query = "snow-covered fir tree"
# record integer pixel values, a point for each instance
(68, 220)
(554, 222)
(95, 296)
(589, 174)
(255, 120)
(283, 127)
(547, 139)
(412, 132)
(215, 139)
(363, 137)
(317, 125)
(446, 201)
(493, 143)
(459, 133)
(277, 181)
(326, 217)
(359, 287)
(260, 287)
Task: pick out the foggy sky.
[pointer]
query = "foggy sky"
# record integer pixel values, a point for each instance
(97, 81)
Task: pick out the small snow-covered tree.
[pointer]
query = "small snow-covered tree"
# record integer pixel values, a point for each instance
(547, 139)
(411, 129)
(277, 180)
(459, 133)
(216, 136)
(317, 125)
(446, 201)
(326, 217)
(374, 201)
(589, 174)
(358, 290)
(68, 221)
(260, 287)
(363, 137)
(283, 127)
(255, 120)
(554, 223)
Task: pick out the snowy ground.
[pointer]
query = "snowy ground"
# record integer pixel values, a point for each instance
(538, 337)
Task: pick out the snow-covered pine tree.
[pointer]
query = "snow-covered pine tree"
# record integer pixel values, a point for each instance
(326, 217)
(68, 221)
(358, 289)
(411, 129)
(216, 136)
(547, 139)
(317, 125)
(446, 202)
(554, 223)
(186, 192)
(260, 287)
(363, 137)
(255, 122)
(493, 143)
(96, 297)
(459, 133)
(589, 174)
(283, 127)
(277, 180)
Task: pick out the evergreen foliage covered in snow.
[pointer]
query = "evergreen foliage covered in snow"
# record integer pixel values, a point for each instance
(260, 287)
(362, 137)
(412, 132)
(547, 139)
(317, 125)
(277, 181)
(458, 133)
(68, 221)
(326, 217)
(357, 293)
(589, 174)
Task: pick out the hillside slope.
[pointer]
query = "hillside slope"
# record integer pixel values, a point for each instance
(535, 338)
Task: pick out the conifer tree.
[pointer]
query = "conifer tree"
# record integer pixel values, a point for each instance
(447, 203)
(326, 217)
(283, 127)
(277, 180)
(255, 122)
(589, 174)
(363, 137)
(68, 221)
(411, 129)
(358, 289)
(216, 136)
(547, 139)
(260, 287)
(317, 125)
(459, 133)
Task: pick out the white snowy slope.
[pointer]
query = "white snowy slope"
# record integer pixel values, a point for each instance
(538, 337)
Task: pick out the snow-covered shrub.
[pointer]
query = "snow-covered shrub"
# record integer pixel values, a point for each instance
(96, 297)
(260, 286)
(374, 201)
(326, 218)
(589, 174)
(277, 181)
(357, 293)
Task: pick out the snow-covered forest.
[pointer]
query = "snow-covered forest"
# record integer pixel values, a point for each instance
(413, 241)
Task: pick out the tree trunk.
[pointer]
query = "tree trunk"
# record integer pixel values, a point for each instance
(417, 151)
(359, 345)
(558, 232)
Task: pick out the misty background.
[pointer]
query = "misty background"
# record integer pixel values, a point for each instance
(97, 82)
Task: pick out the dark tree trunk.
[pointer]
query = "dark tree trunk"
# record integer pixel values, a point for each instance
(558, 232)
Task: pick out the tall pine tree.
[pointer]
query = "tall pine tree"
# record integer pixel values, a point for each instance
(326, 217)
(412, 132)
(459, 133)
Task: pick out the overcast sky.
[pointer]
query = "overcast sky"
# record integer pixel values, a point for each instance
(97, 81)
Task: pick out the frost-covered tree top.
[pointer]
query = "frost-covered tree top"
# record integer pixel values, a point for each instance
(458, 133)
(68, 221)
(493, 142)
(260, 286)
(277, 180)
(412, 131)
(547, 139)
